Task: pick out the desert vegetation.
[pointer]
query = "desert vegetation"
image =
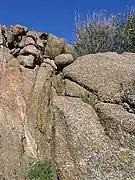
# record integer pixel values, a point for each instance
(40, 170)
(102, 33)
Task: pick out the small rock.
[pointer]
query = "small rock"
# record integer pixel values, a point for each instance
(15, 52)
(15, 31)
(45, 56)
(9, 37)
(18, 30)
(26, 61)
(22, 28)
(30, 49)
(51, 62)
(40, 43)
(131, 110)
(4, 34)
(13, 36)
(1, 37)
(126, 106)
(26, 41)
(63, 60)
(43, 64)
(3, 29)
(33, 34)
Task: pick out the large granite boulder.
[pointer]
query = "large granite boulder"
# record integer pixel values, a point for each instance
(103, 73)
(82, 147)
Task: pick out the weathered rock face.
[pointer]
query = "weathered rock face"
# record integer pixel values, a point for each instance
(80, 113)
(83, 150)
(118, 123)
(5, 58)
(104, 73)
(23, 122)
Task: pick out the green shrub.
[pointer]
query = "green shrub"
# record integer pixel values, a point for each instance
(40, 170)
(90, 98)
(99, 33)
(126, 29)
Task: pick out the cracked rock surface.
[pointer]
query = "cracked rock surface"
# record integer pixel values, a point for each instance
(79, 112)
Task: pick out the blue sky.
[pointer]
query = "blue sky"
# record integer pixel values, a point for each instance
(55, 16)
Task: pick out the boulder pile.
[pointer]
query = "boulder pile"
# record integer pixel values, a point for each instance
(30, 48)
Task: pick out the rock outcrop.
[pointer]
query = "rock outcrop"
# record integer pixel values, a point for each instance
(78, 112)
